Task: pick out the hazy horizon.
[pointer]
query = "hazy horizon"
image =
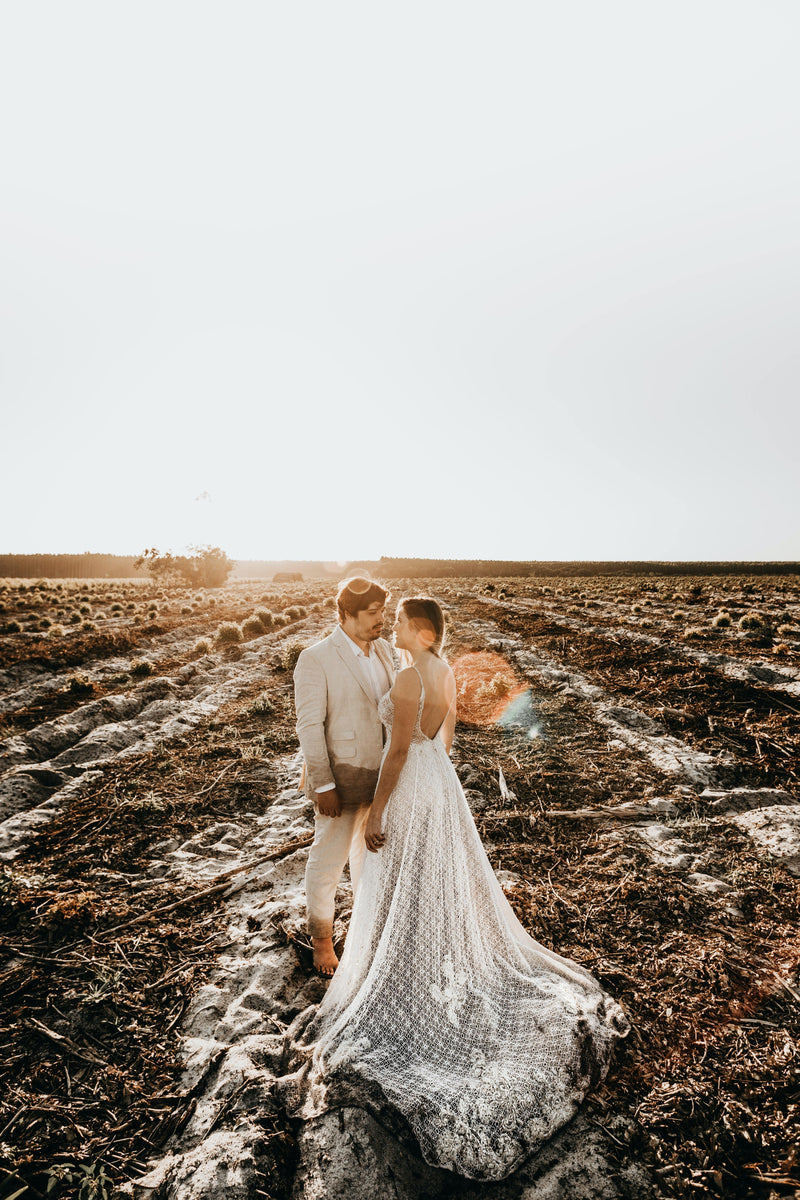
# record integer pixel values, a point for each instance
(516, 283)
(337, 566)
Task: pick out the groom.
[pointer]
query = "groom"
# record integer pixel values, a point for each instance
(337, 685)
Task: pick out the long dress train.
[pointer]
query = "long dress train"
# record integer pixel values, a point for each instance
(483, 1039)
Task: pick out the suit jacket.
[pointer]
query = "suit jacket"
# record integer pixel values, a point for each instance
(340, 732)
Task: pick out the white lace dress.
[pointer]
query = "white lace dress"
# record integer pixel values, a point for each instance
(483, 1039)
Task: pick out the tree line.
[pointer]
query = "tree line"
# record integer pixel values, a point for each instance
(429, 568)
(68, 566)
(121, 566)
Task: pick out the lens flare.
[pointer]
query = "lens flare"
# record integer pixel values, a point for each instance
(490, 693)
(520, 714)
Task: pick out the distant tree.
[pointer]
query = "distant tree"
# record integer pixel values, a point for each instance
(212, 565)
(165, 568)
(207, 566)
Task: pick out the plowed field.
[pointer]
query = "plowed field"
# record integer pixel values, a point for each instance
(629, 748)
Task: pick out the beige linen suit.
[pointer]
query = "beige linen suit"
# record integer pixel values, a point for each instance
(341, 737)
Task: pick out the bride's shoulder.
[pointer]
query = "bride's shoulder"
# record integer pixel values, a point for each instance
(407, 684)
(443, 670)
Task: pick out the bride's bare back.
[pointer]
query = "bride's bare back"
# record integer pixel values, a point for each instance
(439, 710)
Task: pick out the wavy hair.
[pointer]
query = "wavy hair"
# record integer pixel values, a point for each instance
(356, 594)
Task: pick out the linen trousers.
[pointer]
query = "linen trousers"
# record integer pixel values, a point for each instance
(337, 840)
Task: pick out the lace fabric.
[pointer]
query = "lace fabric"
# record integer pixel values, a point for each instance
(484, 1040)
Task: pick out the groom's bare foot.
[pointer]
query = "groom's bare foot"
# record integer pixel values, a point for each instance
(325, 960)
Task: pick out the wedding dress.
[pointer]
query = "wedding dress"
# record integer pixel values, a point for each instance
(483, 1039)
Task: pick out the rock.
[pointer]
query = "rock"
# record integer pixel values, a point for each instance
(167, 846)
(476, 800)
(737, 800)
(19, 792)
(633, 719)
(708, 883)
(221, 1167)
(776, 830)
(347, 1155)
(663, 808)
(658, 833)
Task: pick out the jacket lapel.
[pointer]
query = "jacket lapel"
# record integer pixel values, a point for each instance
(349, 660)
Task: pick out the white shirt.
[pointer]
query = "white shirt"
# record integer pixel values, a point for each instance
(371, 668)
(370, 665)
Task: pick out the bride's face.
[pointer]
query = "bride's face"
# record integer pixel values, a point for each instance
(404, 632)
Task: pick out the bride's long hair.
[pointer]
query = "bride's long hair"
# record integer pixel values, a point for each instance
(427, 617)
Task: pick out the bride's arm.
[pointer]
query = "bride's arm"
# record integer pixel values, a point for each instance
(449, 724)
(405, 697)
(449, 728)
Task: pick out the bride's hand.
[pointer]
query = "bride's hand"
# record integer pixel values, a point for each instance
(372, 831)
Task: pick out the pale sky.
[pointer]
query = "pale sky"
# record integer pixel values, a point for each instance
(498, 280)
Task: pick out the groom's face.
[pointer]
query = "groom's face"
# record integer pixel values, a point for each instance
(369, 622)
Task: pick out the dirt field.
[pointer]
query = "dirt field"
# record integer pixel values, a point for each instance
(629, 748)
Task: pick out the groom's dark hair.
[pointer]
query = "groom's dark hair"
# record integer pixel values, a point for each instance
(356, 594)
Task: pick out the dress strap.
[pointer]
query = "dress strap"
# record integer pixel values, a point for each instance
(421, 683)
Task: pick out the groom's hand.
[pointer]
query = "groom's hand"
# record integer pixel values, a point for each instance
(329, 803)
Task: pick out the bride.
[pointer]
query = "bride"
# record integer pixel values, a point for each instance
(483, 1039)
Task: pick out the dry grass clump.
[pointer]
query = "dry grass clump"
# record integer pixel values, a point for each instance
(201, 648)
(722, 620)
(752, 620)
(12, 627)
(787, 630)
(781, 650)
(252, 627)
(89, 626)
(262, 706)
(55, 631)
(679, 615)
(500, 685)
(228, 634)
(693, 633)
(289, 652)
(266, 617)
(141, 668)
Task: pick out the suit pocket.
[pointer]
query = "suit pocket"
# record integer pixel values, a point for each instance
(344, 744)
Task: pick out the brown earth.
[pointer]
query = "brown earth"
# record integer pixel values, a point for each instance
(100, 961)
